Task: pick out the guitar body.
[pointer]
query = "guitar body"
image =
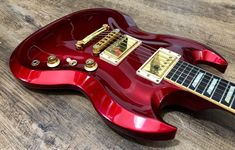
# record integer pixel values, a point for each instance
(128, 103)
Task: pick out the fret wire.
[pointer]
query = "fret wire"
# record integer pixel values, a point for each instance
(220, 80)
(199, 82)
(220, 89)
(176, 71)
(220, 83)
(183, 75)
(232, 100)
(180, 81)
(187, 75)
(207, 84)
(201, 69)
(195, 67)
(213, 75)
(203, 82)
(173, 70)
(193, 78)
(221, 99)
(214, 89)
(181, 72)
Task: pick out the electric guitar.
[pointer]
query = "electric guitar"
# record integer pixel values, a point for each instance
(128, 74)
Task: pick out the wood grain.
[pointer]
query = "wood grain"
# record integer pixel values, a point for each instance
(32, 119)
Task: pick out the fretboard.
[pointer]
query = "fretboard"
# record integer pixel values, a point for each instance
(204, 84)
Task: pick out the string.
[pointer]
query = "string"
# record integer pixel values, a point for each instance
(202, 81)
(142, 45)
(142, 53)
(149, 51)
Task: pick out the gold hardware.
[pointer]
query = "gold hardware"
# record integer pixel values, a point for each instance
(81, 43)
(53, 61)
(120, 49)
(71, 62)
(104, 42)
(90, 65)
(35, 62)
(156, 68)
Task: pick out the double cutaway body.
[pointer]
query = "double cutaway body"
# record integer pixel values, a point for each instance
(130, 104)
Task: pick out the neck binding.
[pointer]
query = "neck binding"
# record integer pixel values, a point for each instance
(203, 84)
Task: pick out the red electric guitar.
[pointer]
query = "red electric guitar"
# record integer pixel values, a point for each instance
(128, 74)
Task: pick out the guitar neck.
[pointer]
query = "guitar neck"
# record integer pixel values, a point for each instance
(203, 84)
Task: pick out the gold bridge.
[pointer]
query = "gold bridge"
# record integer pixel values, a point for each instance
(80, 44)
(158, 65)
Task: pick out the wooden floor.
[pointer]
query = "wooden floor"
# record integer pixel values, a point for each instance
(31, 119)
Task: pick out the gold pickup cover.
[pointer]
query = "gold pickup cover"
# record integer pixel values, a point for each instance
(158, 65)
(117, 51)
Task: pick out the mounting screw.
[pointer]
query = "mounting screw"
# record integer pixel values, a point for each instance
(35, 62)
(71, 62)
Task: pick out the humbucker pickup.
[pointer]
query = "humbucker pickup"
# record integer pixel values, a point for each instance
(119, 49)
(158, 65)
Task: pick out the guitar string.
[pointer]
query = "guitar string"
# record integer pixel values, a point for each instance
(149, 48)
(220, 89)
(143, 54)
(130, 43)
(142, 45)
(203, 81)
(145, 57)
(154, 49)
(206, 81)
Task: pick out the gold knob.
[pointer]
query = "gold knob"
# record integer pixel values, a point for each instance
(90, 65)
(53, 61)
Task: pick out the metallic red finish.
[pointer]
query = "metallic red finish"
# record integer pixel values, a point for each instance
(128, 103)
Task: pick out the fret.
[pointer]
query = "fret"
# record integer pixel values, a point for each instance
(229, 95)
(198, 71)
(204, 83)
(216, 85)
(197, 80)
(184, 74)
(211, 86)
(187, 75)
(170, 74)
(233, 102)
(190, 77)
(225, 93)
(178, 72)
(208, 83)
(219, 90)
